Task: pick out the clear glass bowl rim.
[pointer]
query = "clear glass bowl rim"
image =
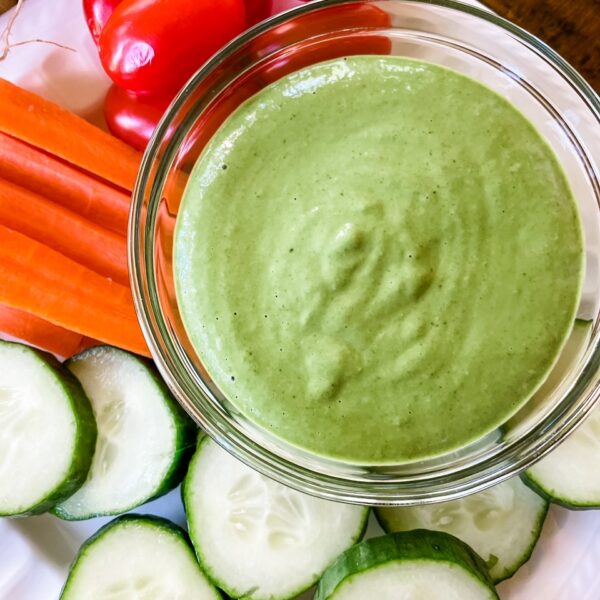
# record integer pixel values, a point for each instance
(519, 455)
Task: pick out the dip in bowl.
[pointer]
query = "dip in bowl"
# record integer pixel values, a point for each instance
(364, 317)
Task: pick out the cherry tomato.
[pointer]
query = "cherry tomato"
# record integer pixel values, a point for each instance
(315, 37)
(326, 20)
(328, 48)
(133, 118)
(259, 10)
(155, 46)
(97, 13)
(278, 6)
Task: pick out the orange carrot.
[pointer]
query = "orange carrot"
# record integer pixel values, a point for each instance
(39, 280)
(40, 333)
(54, 179)
(43, 124)
(70, 234)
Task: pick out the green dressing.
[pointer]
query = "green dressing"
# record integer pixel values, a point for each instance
(378, 259)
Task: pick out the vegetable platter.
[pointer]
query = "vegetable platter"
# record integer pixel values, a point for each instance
(37, 553)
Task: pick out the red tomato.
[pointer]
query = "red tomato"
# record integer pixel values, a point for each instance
(155, 46)
(259, 10)
(325, 21)
(133, 118)
(328, 48)
(281, 5)
(97, 13)
(315, 37)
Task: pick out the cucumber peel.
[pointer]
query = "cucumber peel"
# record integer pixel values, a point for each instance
(47, 431)
(502, 524)
(137, 556)
(258, 539)
(144, 437)
(569, 475)
(416, 563)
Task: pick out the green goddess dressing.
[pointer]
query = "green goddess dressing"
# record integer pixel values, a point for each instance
(378, 259)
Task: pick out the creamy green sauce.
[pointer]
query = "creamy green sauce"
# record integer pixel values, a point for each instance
(378, 259)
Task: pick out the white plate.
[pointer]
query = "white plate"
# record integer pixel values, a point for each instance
(35, 553)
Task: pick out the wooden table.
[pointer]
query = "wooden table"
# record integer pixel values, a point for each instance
(6, 4)
(571, 27)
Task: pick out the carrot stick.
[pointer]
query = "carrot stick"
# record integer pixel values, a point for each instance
(98, 249)
(39, 280)
(40, 333)
(52, 178)
(46, 125)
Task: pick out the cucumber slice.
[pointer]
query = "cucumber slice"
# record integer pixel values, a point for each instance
(256, 538)
(414, 564)
(569, 475)
(137, 557)
(502, 524)
(47, 431)
(144, 438)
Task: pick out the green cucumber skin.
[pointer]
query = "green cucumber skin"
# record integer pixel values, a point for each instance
(147, 520)
(418, 544)
(85, 438)
(570, 504)
(509, 572)
(186, 432)
(537, 531)
(227, 591)
(531, 482)
(202, 439)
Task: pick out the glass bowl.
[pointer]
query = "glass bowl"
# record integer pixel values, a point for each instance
(468, 39)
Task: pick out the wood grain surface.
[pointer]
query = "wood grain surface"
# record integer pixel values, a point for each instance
(571, 27)
(6, 4)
